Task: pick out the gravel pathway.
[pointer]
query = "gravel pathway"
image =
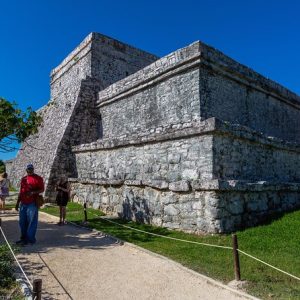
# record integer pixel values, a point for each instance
(75, 263)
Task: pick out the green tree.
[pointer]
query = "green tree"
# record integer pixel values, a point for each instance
(16, 125)
(2, 166)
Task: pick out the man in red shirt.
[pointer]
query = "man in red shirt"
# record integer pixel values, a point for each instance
(31, 186)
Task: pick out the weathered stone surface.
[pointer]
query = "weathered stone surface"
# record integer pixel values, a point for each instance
(185, 142)
(70, 117)
(179, 186)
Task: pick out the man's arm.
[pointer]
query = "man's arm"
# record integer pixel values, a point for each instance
(18, 201)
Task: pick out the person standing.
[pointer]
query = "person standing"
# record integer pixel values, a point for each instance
(62, 198)
(31, 186)
(4, 190)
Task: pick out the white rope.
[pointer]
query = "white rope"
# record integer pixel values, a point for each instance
(167, 237)
(16, 258)
(204, 244)
(291, 275)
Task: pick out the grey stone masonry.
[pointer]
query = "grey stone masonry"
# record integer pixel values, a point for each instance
(237, 176)
(199, 82)
(69, 117)
(193, 141)
(213, 142)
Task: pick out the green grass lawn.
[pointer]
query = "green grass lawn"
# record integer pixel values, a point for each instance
(277, 243)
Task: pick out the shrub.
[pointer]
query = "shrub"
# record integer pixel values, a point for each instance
(6, 267)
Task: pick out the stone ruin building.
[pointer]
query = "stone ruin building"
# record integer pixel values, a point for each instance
(193, 141)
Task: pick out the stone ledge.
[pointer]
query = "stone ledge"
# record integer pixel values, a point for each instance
(243, 185)
(80, 51)
(201, 54)
(167, 133)
(199, 185)
(133, 182)
(104, 182)
(159, 75)
(157, 184)
(246, 133)
(209, 126)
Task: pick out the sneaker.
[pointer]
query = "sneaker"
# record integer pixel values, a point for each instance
(59, 223)
(21, 243)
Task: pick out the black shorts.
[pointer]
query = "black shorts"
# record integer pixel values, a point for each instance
(61, 201)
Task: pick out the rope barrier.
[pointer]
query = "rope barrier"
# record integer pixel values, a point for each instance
(203, 244)
(263, 262)
(167, 237)
(16, 258)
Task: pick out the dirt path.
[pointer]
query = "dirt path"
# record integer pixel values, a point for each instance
(75, 263)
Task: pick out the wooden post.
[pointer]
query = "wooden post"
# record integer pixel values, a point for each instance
(85, 212)
(37, 289)
(236, 258)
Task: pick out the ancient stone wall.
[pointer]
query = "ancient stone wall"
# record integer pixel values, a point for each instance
(211, 177)
(186, 144)
(226, 90)
(193, 141)
(240, 101)
(69, 117)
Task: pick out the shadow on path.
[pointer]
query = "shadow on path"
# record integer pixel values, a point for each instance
(50, 235)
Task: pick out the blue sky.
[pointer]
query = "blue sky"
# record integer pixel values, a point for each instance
(37, 35)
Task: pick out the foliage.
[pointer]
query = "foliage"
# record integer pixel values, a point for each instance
(9, 289)
(15, 124)
(2, 166)
(6, 267)
(276, 243)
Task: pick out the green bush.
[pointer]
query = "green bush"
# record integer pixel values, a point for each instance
(6, 267)
(2, 166)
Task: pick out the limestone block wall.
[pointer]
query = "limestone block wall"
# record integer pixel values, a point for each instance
(255, 105)
(203, 178)
(193, 141)
(172, 101)
(217, 207)
(69, 117)
(199, 82)
(240, 153)
(192, 128)
(169, 160)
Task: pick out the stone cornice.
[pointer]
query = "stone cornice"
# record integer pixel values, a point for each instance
(79, 52)
(85, 47)
(212, 126)
(193, 56)
(169, 133)
(168, 66)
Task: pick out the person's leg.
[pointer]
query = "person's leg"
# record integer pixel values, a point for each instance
(60, 214)
(23, 221)
(1, 202)
(32, 217)
(63, 214)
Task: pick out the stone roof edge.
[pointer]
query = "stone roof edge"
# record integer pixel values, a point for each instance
(85, 43)
(209, 126)
(202, 54)
(76, 54)
(174, 62)
(7, 161)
